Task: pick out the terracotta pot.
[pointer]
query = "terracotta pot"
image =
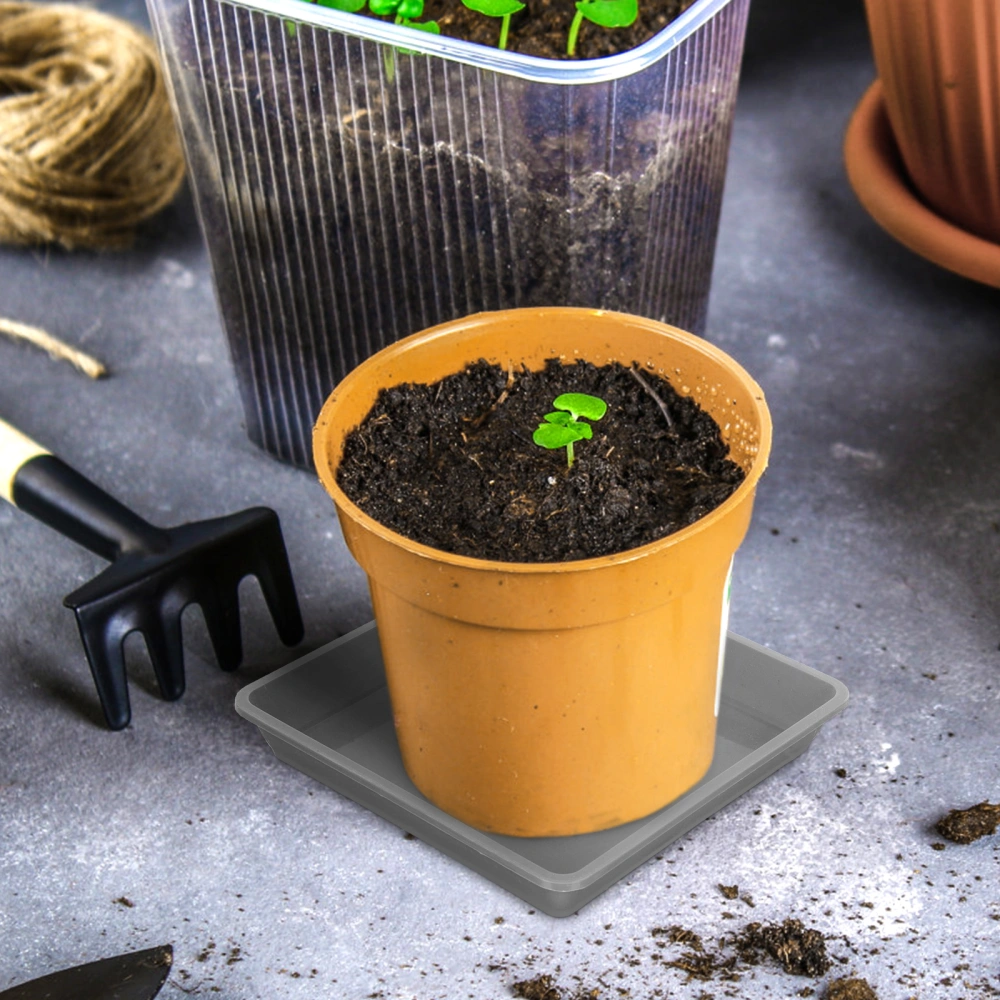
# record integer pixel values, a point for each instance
(555, 698)
(939, 63)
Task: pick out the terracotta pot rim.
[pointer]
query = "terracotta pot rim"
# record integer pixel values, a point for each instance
(876, 173)
(474, 563)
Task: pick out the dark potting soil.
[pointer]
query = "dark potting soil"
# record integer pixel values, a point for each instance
(453, 464)
(963, 826)
(541, 29)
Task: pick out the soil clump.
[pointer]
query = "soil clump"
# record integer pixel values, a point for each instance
(452, 465)
(850, 989)
(800, 950)
(963, 826)
(540, 988)
(544, 987)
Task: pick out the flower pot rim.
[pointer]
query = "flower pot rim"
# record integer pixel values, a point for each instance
(533, 68)
(475, 563)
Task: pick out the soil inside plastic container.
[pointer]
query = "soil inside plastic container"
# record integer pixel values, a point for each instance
(556, 219)
(542, 27)
(453, 464)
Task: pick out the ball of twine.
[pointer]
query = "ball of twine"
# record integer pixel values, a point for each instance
(88, 146)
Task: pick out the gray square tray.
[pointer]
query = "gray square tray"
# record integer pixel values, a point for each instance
(327, 714)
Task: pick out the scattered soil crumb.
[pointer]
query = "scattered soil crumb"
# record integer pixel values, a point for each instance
(124, 901)
(840, 772)
(963, 826)
(678, 935)
(540, 988)
(850, 989)
(748, 899)
(800, 950)
(544, 987)
(705, 966)
(729, 891)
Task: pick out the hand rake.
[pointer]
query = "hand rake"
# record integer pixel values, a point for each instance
(155, 573)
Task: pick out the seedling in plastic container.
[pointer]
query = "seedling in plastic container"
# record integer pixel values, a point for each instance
(562, 429)
(350, 6)
(606, 13)
(406, 13)
(497, 8)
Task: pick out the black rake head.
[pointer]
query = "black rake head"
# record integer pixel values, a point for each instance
(147, 588)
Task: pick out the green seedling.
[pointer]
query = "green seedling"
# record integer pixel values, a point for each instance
(562, 429)
(606, 13)
(350, 6)
(405, 12)
(497, 8)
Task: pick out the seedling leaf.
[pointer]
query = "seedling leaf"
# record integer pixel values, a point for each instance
(497, 8)
(609, 13)
(409, 10)
(494, 8)
(429, 26)
(579, 404)
(554, 436)
(561, 428)
(606, 13)
(351, 6)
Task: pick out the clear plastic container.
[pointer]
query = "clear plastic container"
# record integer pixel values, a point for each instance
(358, 181)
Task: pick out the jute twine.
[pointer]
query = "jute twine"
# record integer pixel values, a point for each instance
(88, 147)
(56, 349)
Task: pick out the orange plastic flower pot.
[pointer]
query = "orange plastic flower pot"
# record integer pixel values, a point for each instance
(939, 63)
(547, 699)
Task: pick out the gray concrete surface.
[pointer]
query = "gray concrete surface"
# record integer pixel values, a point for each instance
(874, 556)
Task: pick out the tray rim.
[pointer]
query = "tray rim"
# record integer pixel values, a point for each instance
(878, 177)
(800, 732)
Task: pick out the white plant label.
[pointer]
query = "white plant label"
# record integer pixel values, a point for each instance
(727, 590)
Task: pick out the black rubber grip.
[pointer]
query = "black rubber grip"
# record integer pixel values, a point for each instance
(54, 492)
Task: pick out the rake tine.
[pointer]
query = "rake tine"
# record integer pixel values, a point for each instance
(221, 607)
(166, 652)
(102, 642)
(274, 574)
